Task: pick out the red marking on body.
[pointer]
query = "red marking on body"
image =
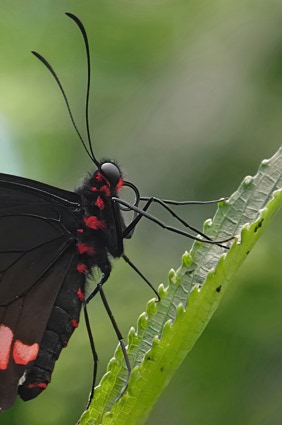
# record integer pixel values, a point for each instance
(100, 203)
(94, 223)
(99, 177)
(105, 189)
(74, 323)
(24, 353)
(119, 184)
(83, 248)
(80, 230)
(42, 385)
(81, 268)
(80, 295)
(6, 337)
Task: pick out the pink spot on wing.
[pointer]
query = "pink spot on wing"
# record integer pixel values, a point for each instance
(24, 353)
(6, 337)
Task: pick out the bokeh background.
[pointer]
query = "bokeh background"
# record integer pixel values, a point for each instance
(187, 96)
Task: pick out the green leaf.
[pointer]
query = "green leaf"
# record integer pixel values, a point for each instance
(168, 329)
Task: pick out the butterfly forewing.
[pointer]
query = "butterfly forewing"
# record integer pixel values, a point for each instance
(35, 226)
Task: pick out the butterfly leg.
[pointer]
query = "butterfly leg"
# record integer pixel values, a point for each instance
(99, 289)
(142, 212)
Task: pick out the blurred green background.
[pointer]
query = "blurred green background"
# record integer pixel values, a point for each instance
(187, 96)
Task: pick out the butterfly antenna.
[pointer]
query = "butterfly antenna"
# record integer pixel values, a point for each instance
(89, 150)
(86, 44)
(49, 67)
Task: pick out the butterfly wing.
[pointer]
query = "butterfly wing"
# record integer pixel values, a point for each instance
(37, 261)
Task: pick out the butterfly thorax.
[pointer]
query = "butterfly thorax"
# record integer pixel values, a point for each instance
(101, 223)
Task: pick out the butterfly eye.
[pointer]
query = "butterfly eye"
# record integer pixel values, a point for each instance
(111, 172)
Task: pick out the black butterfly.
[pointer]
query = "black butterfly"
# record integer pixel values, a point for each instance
(50, 240)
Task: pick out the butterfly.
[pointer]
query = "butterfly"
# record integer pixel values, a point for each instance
(50, 241)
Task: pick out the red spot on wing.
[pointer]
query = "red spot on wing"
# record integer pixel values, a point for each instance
(94, 223)
(80, 230)
(24, 353)
(6, 337)
(83, 248)
(100, 203)
(81, 268)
